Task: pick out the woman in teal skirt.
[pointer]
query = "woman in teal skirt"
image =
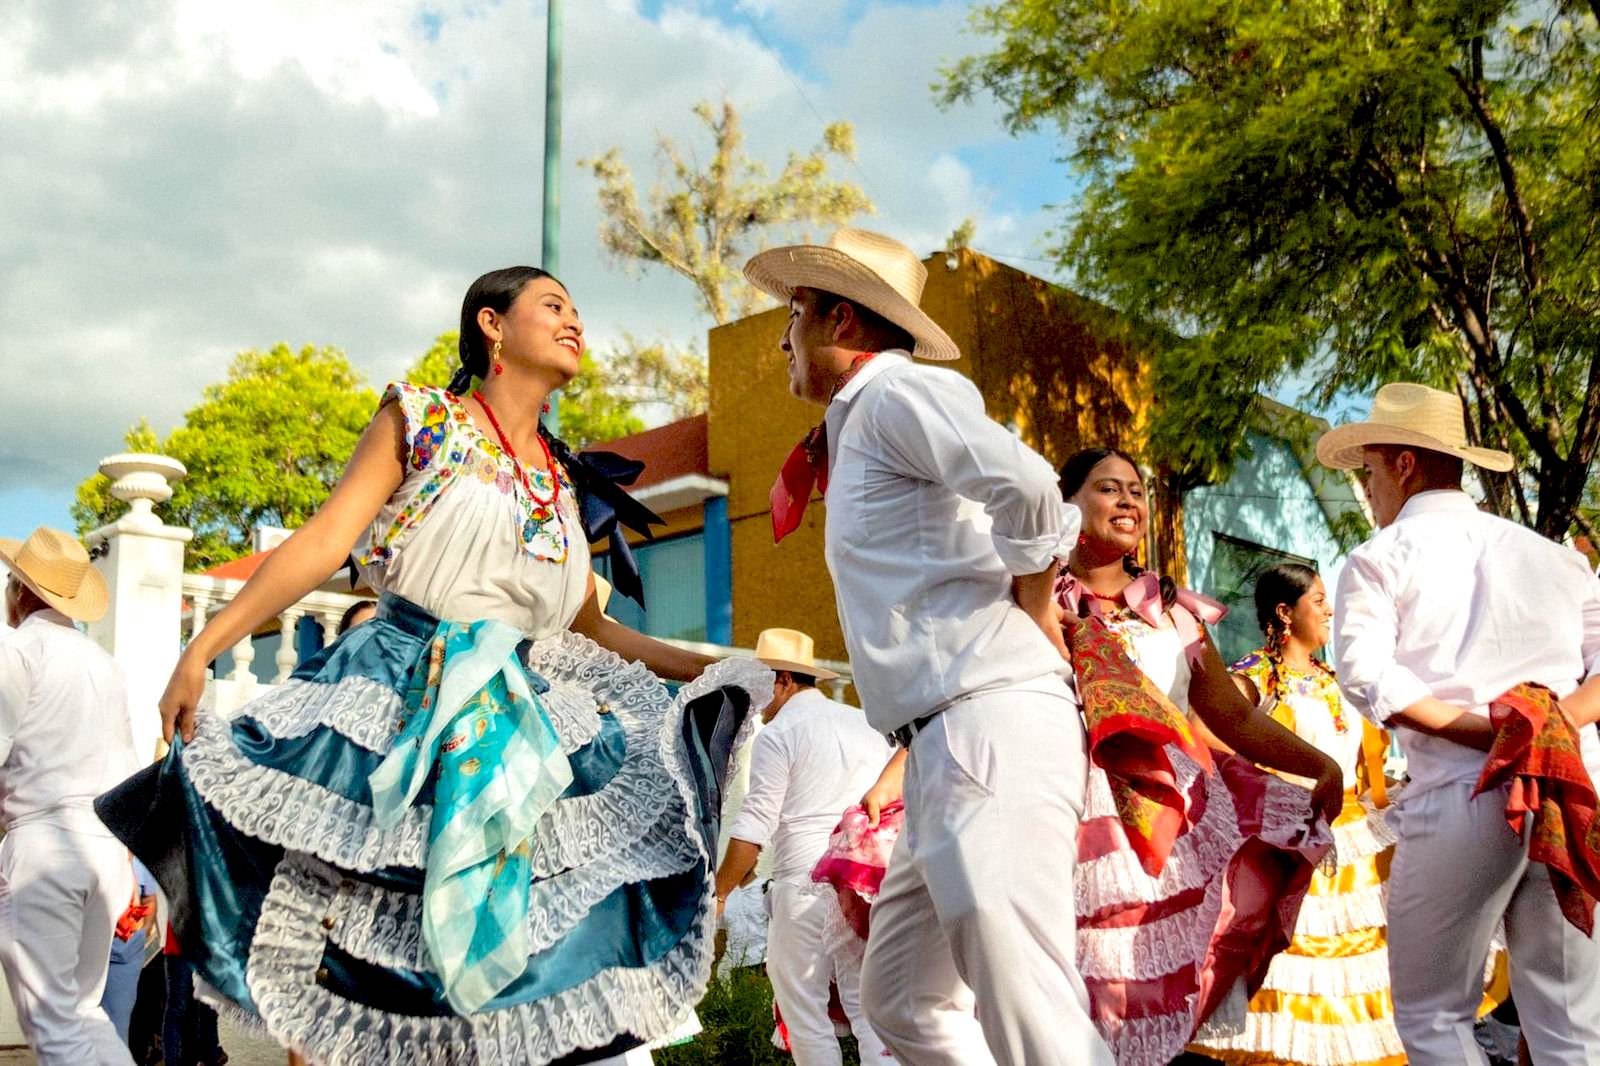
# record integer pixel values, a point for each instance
(476, 829)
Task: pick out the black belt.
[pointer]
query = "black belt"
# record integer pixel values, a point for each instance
(908, 732)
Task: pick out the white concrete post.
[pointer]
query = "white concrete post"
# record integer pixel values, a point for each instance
(288, 631)
(244, 654)
(142, 560)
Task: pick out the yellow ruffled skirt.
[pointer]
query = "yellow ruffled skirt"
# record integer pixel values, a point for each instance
(1325, 1000)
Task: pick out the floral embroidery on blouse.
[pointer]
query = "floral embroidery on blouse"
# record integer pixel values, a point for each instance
(447, 446)
(1284, 681)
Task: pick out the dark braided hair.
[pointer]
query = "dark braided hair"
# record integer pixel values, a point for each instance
(1283, 584)
(496, 290)
(1076, 470)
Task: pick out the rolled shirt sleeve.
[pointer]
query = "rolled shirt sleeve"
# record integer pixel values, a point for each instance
(757, 820)
(935, 428)
(1366, 630)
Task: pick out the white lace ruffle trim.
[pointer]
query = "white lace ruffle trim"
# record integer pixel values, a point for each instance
(296, 814)
(1363, 837)
(1282, 1038)
(1151, 1041)
(300, 1013)
(1351, 975)
(1348, 912)
(358, 708)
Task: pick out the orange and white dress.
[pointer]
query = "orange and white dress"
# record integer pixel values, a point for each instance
(1325, 1000)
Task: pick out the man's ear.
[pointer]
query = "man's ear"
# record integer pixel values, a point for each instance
(844, 319)
(1405, 465)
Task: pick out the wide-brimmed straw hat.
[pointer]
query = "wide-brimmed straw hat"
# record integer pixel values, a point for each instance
(875, 271)
(57, 569)
(1413, 416)
(791, 650)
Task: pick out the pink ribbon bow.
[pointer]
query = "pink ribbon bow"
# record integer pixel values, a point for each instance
(1143, 597)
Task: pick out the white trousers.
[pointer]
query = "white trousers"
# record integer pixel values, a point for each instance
(972, 957)
(61, 893)
(801, 971)
(1457, 870)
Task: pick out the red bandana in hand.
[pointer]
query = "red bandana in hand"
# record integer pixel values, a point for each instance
(807, 467)
(1537, 752)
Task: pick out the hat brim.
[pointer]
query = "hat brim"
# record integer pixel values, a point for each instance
(779, 271)
(89, 605)
(1340, 447)
(808, 669)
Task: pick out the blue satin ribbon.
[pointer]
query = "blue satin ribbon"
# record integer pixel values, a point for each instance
(605, 508)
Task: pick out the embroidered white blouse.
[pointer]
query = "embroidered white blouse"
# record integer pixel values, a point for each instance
(462, 539)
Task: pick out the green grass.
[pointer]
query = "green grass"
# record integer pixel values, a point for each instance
(737, 1015)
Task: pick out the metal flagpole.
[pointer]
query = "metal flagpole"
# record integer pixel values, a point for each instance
(551, 226)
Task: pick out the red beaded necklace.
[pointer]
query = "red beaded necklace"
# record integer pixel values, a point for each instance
(516, 463)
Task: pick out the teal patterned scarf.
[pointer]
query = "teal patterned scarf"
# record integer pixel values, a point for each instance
(472, 714)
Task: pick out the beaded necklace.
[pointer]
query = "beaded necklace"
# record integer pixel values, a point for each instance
(516, 464)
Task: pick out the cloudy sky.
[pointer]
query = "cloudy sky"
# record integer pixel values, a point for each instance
(184, 179)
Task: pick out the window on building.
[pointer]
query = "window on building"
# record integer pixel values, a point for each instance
(674, 575)
(1235, 565)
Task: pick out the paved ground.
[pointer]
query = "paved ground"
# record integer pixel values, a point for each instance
(243, 1050)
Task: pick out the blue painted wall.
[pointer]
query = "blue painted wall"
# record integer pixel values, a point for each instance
(1268, 501)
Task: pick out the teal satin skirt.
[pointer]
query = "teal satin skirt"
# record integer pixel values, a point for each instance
(303, 909)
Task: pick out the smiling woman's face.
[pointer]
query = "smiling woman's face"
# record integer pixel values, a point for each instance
(542, 330)
(1113, 504)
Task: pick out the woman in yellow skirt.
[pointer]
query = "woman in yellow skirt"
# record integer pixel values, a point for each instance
(1325, 999)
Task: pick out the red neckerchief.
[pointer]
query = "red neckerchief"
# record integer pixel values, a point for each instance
(807, 466)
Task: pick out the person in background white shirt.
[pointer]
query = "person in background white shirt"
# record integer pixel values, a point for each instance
(942, 534)
(65, 737)
(813, 760)
(1444, 610)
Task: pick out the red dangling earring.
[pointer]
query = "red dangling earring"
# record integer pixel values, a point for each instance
(546, 408)
(495, 355)
(1083, 538)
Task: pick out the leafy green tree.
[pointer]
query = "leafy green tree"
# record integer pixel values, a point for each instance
(704, 222)
(264, 447)
(1355, 190)
(613, 391)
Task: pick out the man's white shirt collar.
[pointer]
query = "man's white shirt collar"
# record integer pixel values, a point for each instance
(1434, 501)
(48, 616)
(873, 367)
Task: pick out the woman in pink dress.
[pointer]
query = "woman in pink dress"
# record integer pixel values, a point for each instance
(1192, 863)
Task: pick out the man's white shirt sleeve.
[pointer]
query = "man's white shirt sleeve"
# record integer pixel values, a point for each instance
(769, 782)
(14, 687)
(933, 427)
(1591, 626)
(1368, 632)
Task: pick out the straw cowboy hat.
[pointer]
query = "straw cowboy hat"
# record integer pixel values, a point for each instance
(1413, 416)
(866, 268)
(57, 569)
(791, 650)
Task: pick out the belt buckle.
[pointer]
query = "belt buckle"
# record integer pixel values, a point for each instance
(904, 735)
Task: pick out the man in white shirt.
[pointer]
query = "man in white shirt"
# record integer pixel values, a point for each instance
(1444, 610)
(65, 737)
(813, 760)
(941, 536)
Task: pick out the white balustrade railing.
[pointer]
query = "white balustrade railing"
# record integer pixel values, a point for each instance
(206, 595)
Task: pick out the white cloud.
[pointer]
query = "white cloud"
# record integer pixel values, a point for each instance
(185, 179)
